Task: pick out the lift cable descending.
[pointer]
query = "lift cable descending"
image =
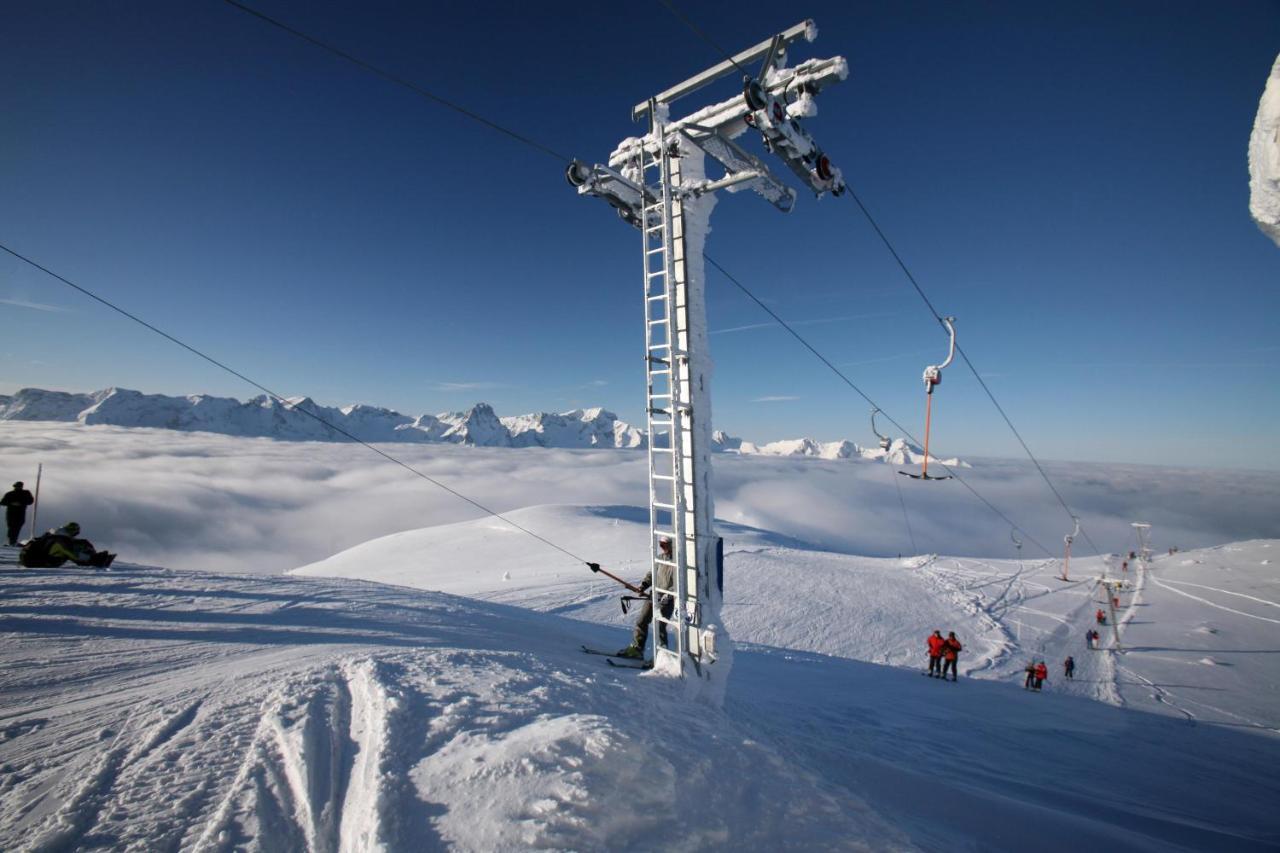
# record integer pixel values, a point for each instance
(772, 54)
(919, 290)
(398, 80)
(932, 379)
(847, 381)
(285, 402)
(367, 66)
(885, 444)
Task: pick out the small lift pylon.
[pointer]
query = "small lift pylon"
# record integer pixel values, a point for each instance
(932, 379)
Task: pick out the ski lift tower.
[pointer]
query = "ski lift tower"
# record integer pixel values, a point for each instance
(1144, 542)
(659, 184)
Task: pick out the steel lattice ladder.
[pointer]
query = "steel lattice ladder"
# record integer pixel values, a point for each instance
(668, 402)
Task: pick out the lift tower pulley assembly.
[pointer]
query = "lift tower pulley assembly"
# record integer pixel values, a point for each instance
(659, 183)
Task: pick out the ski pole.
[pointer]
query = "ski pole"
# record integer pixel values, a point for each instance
(35, 503)
(595, 567)
(624, 599)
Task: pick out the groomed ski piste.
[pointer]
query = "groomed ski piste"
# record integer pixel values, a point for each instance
(427, 690)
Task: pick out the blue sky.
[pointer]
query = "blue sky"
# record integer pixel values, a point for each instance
(1069, 181)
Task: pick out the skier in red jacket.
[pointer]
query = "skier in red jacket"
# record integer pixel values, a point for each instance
(951, 649)
(936, 645)
(1042, 673)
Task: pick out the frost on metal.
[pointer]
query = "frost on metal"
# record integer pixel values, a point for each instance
(1264, 159)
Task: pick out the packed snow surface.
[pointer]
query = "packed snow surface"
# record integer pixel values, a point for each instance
(150, 709)
(1264, 159)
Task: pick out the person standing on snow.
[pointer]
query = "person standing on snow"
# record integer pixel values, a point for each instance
(665, 570)
(951, 649)
(936, 646)
(1031, 675)
(1042, 674)
(1101, 617)
(15, 505)
(1069, 667)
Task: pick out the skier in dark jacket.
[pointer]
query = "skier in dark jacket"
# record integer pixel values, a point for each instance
(950, 651)
(936, 646)
(15, 505)
(1069, 667)
(50, 550)
(664, 569)
(1031, 675)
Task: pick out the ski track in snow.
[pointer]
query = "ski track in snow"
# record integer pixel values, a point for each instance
(145, 709)
(1206, 601)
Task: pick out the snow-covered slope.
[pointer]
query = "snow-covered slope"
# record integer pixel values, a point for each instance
(782, 593)
(147, 709)
(1264, 159)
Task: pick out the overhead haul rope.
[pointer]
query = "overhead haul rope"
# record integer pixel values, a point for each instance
(273, 395)
(697, 31)
(393, 78)
(942, 322)
(399, 81)
(863, 395)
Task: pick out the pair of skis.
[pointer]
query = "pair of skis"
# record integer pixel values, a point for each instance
(613, 659)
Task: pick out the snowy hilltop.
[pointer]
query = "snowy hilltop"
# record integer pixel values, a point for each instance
(1264, 159)
(303, 419)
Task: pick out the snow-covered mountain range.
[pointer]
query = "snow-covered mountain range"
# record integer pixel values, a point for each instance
(302, 419)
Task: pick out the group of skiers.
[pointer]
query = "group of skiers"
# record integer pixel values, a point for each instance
(54, 548)
(1038, 672)
(943, 654)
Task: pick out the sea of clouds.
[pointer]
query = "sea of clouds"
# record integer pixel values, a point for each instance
(203, 501)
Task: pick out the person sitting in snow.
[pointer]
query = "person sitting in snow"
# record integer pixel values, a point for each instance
(1101, 617)
(50, 550)
(1069, 667)
(950, 652)
(936, 645)
(666, 579)
(1042, 674)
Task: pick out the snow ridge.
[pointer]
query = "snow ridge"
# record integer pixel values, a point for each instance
(303, 419)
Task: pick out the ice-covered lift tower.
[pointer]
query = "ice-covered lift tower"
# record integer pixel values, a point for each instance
(659, 183)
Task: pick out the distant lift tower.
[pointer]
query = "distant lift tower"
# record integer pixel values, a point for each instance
(659, 184)
(1144, 541)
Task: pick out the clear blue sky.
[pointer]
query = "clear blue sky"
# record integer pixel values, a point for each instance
(1069, 180)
